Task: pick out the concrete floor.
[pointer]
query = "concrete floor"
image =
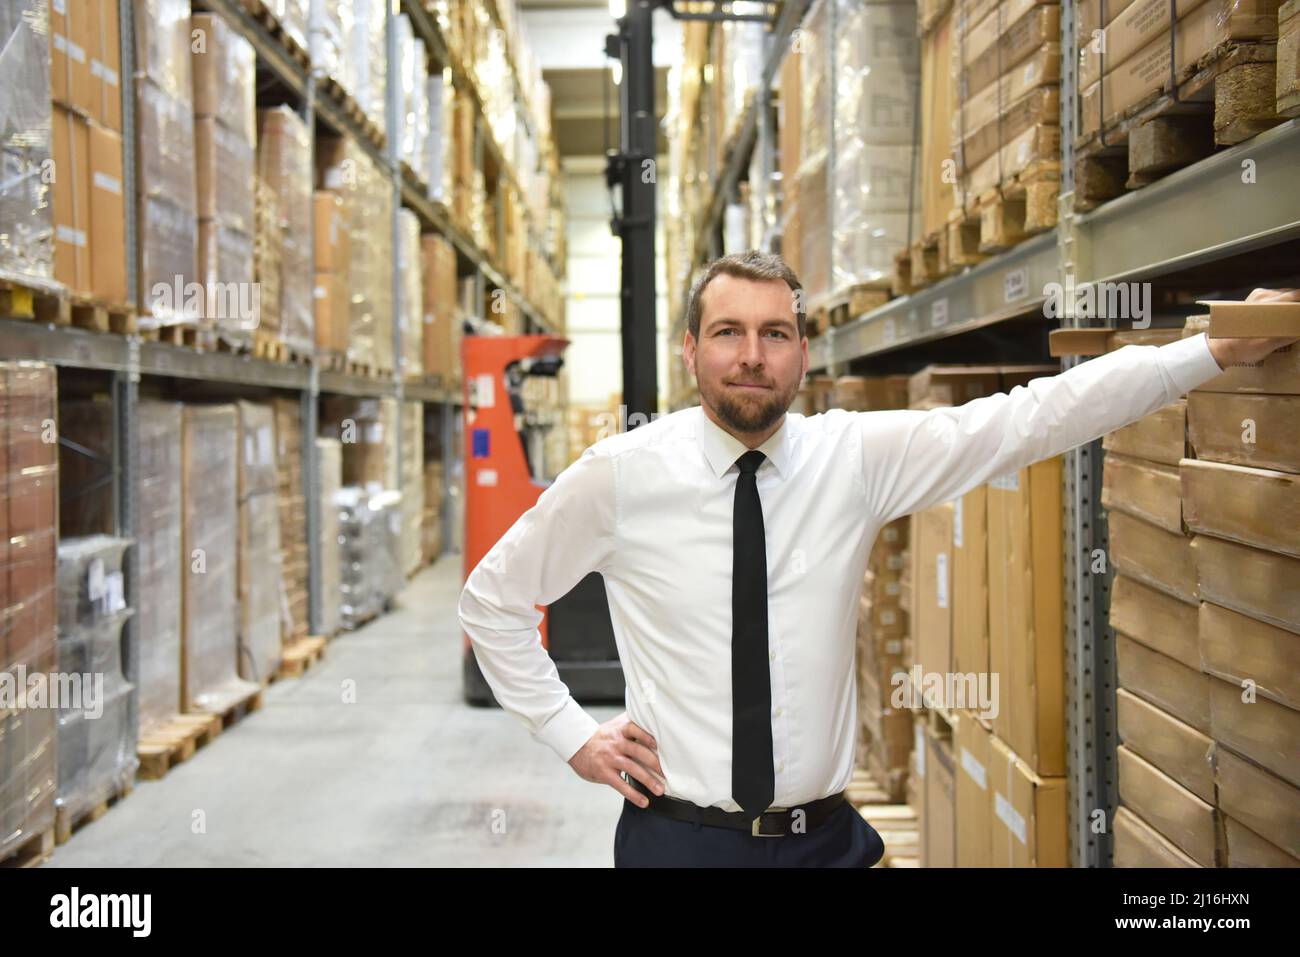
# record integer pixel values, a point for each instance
(409, 775)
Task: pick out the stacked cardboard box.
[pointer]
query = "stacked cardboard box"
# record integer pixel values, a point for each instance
(1007, 62)
(344, 167)
(293, 520)
(225, 137)
(1288, 58)
(938, 94)
(284, 168)
(413, 98)
(167, 213)
(369, 536)
(210, 682)
(88, 196)
(29, 474)
(810, 176)
(412, 485)
(789, 127)
(330, 455)
(409, 263)
(96, 754)
(368, 430)
(441, 335)
(885, 724)
(1139, 43)
(159, 562)
(439, 144)
(260, 647)
(333, 252)
(364, 55)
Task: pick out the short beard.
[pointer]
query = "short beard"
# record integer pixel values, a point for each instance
(747, 417)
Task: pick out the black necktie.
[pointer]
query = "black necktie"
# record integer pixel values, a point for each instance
(752, 780)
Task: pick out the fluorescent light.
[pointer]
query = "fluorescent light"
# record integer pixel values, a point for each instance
(616, 68)
(617, 9)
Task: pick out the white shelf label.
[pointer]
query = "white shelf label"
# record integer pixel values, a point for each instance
(1015, 284)
(974, 769)
(941, 572)
(938, 313)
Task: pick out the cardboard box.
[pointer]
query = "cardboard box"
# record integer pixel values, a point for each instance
(1259, 729)
(1235, 318)
(1203, 29)
(951, 385)
(1278, 373)
(1288, 58)
(1173, 746)
(1245, 848)
(1026, 629)
(1254, 430)
(1029, 815)
(932, 612)
(1254, 582)
(1236, 647)
(331, 244)
(1191, 824)
(1263, 802)
(938, 94)
(870, 393)
(1251, 506)
(1088, 17)
(971, 744)
(1154, 556)
(1025, 95)
(71, 38)
(1158, 437)
(1019, 29)
(939, 844)
(441, 339)
(224, 76)
(1138, 844)
(1164, 682)
(71, 200)
(1158, 620)
(1146, 490)
(1127, 32)
(105, 65)
(970, 573)
(330, 298)
(225, 169)
(107, 216)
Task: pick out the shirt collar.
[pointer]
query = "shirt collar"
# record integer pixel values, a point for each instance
(721, 448)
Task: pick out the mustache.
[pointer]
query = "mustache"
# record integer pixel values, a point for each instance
(762, 382)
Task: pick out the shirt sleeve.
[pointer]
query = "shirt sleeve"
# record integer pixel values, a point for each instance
(549, 549)
(914, 459)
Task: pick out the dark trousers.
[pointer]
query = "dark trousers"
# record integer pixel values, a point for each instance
(646, 839)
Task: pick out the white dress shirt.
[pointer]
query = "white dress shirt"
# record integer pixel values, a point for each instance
(651, 510)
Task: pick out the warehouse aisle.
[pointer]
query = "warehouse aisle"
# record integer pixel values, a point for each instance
(408, 775)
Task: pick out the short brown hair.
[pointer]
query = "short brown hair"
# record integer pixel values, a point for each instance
(751, 265)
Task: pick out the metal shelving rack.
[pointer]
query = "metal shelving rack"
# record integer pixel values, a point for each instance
(1150, 233)
(127, 358)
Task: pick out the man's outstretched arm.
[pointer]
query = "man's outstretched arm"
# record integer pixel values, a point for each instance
(915, 459)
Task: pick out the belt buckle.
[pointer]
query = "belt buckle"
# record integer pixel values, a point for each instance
(756, 828)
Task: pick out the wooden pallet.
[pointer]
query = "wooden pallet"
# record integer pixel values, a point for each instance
(67, 823)
(34, 851)
(900, 281)
(848, 304)
(161, 750)
(301, 655)
(259, 12)
(99, 316)
(179, 335)
(1228, 96)
(240, 709)
(38, 304)
(1023, 206)
(961, 241)
(332, 361)
(896, 823)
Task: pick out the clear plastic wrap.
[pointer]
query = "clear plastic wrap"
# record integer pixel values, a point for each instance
(330, 456)
(284, 165)
(439, 158)
(158, 562)
(260, 588)
(225, 75)
(368, 430)
(325, 38)
(96, 754)
(412, 485)
(408, 266)
(743, 63)
(876, 95)
(28, 505)
(86, 466)
(413, 98)
(293, 519)
(365, 56)
(210, 529)
(293, 18)
(26, 216)
(369, 536)
(368, 203)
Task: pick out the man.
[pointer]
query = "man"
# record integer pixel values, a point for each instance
(733, 538)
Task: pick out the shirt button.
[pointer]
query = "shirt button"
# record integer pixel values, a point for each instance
(771, 656)
(780, 767)
(778, 712)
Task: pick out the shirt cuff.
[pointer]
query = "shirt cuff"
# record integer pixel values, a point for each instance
(567, 730)
(1189, 362)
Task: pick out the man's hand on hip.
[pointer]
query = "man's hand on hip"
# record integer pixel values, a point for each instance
(1231, 352)
(619, 745)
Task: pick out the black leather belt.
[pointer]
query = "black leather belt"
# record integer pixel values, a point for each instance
(774, 822)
